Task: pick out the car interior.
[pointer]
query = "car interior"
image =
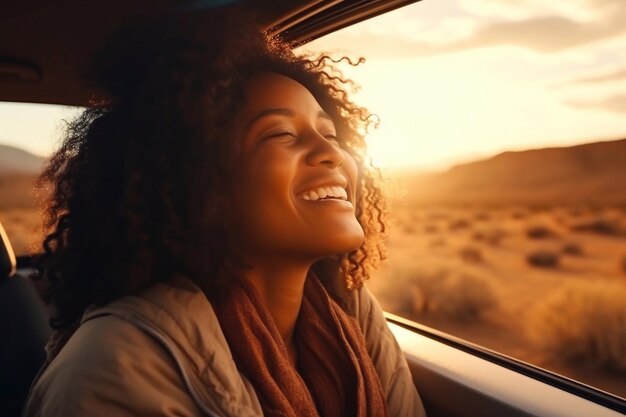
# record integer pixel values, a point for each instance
(44, 50)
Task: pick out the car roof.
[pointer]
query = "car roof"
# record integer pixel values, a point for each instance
(45, 47)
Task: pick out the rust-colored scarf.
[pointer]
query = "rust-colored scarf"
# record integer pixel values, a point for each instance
(335, 375)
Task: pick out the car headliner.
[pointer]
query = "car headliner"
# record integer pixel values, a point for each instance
(45, 47)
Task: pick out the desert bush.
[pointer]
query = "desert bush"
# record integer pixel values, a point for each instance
(623, 264)
(471, 254)
(420, 292)
(584, 322)
(572, 248)
(462, 297)
(539, 231)
(543, 258)
(431, 228)
(482, 216)
(458, 224)
(492, 237)
(409, 228)
(600, 226)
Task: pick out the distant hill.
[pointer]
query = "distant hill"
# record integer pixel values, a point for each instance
(593, 172)
(18, 161)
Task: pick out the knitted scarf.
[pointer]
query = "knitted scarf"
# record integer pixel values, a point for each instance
(335, 376)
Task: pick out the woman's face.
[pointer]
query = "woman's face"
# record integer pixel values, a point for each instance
(293, 185)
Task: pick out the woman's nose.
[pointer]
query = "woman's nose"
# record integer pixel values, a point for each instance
(324, 152)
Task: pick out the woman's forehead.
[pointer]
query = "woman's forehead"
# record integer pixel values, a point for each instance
(270, 91)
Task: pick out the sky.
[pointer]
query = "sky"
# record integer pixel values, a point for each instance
(456, 80)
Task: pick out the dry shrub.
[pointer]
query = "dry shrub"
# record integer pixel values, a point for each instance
(539, 231)
(543, 259)
(492, 237)
(409, 228)
(623, 262)
(573, 248)
(471, 254)
(584, 322)
(482, 216)
(418, 292)
(459, 224)
(600, 226)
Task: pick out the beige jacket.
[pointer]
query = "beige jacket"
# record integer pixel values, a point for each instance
(163, 353)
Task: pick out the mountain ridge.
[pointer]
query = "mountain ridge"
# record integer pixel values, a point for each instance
(581, 173)
(15, 160)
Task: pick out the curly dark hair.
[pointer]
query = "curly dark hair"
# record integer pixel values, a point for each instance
(139, 181)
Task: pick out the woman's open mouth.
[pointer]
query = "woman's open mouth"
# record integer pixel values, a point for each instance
(331, 193)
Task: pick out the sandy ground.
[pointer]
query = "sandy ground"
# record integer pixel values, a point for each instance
(464, 270)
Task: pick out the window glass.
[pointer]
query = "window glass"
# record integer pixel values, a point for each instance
(502, 144)
(28, 135)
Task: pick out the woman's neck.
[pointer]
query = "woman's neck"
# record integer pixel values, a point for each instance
(281, 289)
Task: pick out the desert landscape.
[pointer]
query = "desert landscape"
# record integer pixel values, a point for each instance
(20, 200)
(523, 253)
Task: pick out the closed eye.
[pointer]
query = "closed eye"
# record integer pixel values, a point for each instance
(280, 134)
(333, 139)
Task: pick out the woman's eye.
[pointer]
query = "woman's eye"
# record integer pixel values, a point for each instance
(280, 134)
(333, 139)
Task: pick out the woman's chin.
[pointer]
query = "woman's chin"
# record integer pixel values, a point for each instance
(344, 243)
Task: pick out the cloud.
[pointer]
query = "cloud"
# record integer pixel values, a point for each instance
(615, 103)
(579, 10)
(617, 75)
(542, 34)
(547, 34)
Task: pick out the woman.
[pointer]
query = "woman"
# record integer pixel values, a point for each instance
(213, 222)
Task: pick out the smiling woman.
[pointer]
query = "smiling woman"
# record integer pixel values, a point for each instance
(212, 223)
(294, 184)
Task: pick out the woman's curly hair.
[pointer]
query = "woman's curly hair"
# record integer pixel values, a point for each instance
(140, 182)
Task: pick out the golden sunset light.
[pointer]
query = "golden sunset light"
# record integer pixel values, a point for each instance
(470, 79)
(321, 180)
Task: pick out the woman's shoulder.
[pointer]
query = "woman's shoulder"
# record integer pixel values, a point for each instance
(145, 354)
(365, 308)
(108, 366)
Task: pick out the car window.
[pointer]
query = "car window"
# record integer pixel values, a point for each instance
(501, 141)
(28, 135)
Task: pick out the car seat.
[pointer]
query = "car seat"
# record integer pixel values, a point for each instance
(24, 330)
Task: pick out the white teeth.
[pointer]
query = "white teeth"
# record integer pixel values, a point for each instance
(340, 192)
(331, 192)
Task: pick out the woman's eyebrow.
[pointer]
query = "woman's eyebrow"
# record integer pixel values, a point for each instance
(270, 112)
